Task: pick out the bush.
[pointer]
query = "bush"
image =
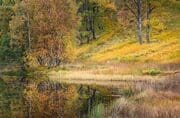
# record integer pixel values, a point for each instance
(152, 71)
(8, 54)
(5, 51)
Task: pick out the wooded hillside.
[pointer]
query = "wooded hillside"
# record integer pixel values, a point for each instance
(52, 32)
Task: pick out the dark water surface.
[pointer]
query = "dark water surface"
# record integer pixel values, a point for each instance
(42, 98)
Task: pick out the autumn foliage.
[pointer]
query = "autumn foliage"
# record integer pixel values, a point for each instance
(44, 28)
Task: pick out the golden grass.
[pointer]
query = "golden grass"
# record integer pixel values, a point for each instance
(87, 47)
(161, 50)
(153, 108)
(116, 53)
(87, 77)
(149, 102)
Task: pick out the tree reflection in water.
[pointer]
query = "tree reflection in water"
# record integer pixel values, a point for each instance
(52, 100)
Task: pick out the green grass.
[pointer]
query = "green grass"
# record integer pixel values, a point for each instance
(151, 71)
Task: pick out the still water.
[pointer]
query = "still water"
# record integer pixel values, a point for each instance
(42, 98)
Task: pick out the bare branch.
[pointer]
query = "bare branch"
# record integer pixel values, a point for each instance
(132, 11)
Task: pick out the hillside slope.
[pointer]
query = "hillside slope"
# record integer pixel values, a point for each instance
(114, 47)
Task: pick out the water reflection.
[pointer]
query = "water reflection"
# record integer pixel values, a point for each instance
(43, 98)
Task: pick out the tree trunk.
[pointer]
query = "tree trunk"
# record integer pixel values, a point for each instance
(86, 14)
(30, 109)
(148, 23)
(93, 24)
(139, 21)
(1, 2)
(93, 29)
(29, 32)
